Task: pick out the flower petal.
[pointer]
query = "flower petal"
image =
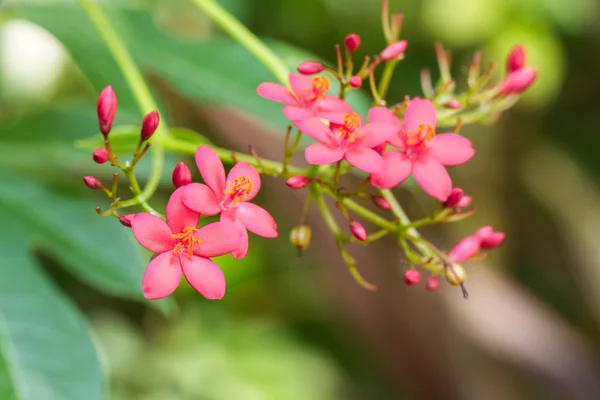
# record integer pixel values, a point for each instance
(204, 276)
(316, 129)
(201, 198)
(451, 149)
(152, 232)
(333, 103)
(243, 169)
(297, 113)
(229, 216)
(376, 133)
(276, 92)
(321, 154)
(301, 85)
(384, 114)
(211, 168)
(178, 215)
(365, 159)
(162, 276)
(397, 169)
(419, 111)
(257, 220)
(217, 239)
(431, 175)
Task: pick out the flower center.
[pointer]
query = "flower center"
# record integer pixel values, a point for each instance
(422, 137)
(348, 130)
(320, 84)
(186, 239)
(240, 188)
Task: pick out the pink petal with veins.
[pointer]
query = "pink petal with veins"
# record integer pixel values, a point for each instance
(162, 276)
(178, 215)
(217, 239)
(211, 168)
(431, 175)
(152, 232)
(204, 276)
(257, 220)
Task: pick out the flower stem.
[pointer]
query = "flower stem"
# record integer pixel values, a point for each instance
(386, 77)
(246, 38)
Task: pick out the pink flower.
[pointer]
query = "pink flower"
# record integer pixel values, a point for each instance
(306, 99)
(229, 197)
(420, 151)
(346, 138)
(180, 246)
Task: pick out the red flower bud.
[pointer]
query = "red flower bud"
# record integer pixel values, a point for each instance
(489, 238)
(432, 283)
(100, 155)
(298, 182)
(464, 202)
(518, 81)
(356, 82)
(92, 182)
(149, 125)
(394, 50)
(516, 59)
(453, 104)
(106, 108)
(412, 277)
(454, 198)
(181, 175)
(310, 68)
(358, 230)
(381, 202)
(484, 232)
(352, 42)
(125, 219)
(466, 249)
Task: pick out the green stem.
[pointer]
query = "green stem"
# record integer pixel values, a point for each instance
(246, 38)
(386, 77)
(138, 87)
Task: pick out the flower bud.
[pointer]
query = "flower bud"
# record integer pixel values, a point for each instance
(453, 104)
(484, 232)
(300, 237)
(464, 202)
(516, 59)
(100, 155)
(393, 51)
(455, 196)
(356, 82)
(358, 230)
(518, 81)
(456, 274)
(466, 249)
(432, 283)
(181, 175)
(92, 182)
(489, 238)
(298, 182)
(352, 42)
(125, 219)
(310, 68)
(411, 277)
(106, 108)
(381, 202)
(149, 125)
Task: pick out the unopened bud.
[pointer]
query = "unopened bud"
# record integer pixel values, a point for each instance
(516, 59)
(490, 239)
(356, 82)
(519, 80)
(106, 108)
(381, 202)
(149, 125)
(453, 104)
(298, 182)
(300, 237)
(352, 42)
(125, 219)
(456, 274)
(92, 182)
(411, 277)
(464, 203)
(466, 249)
(455, 196)
(181, 175)
(393, 50)
(358, 230)
(310, 68)
(432, 283)
(100, 155)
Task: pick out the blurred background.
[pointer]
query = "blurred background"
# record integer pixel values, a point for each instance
(72, 322)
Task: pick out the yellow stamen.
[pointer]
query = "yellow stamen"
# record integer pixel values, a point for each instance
(185, 239)
(349, 128)
(423, 135)
(320, 84)
(240, 188)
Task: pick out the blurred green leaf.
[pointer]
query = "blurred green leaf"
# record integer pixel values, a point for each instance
(47, 352)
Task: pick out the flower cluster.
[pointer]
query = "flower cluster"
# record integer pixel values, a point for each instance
(385, 145)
